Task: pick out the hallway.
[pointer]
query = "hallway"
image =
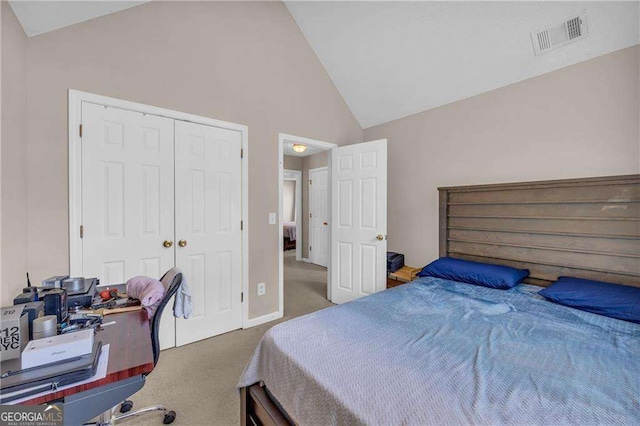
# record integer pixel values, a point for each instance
(305, 287)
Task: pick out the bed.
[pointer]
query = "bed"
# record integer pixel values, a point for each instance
(442, 352)
(289, 235)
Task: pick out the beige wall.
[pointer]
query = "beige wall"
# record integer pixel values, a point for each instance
(579, 121)
(236, 61)
(290, 162)
(13, 177)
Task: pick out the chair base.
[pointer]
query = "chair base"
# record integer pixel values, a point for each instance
(110, 419)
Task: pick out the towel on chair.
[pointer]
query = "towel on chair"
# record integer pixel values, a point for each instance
(148, 290)
(182, 305)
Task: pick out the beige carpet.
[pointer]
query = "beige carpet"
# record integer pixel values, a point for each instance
(198, 380)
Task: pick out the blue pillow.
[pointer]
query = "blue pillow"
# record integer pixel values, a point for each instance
(611, 300)
(485, 274)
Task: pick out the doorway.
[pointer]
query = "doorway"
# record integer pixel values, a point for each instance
(356, 198)
(292, 213)
(299, 156)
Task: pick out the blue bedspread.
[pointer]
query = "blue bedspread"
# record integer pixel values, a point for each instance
(441, 352)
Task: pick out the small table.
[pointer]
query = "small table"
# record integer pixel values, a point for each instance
(402, 276)
(130, 360)
(391, 283)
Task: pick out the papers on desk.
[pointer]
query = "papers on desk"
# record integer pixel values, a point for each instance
(101, 373)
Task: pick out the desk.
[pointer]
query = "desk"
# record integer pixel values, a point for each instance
(130, 360)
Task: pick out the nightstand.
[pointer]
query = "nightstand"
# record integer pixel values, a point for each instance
(391, 283)
(402, 276)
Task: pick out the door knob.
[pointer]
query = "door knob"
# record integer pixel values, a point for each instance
(325, 223)
(182, 243)
(167, 243)
(380, 237)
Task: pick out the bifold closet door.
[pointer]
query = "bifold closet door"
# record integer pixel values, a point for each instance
(208, 234)
(127, 197)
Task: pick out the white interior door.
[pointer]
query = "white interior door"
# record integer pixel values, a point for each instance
(359, 214)
(208, 213)
(127, 197)
(319, 241)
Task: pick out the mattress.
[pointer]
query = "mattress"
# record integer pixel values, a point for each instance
(441, 352)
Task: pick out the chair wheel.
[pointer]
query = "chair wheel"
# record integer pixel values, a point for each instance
(169, 417)
(126, 406)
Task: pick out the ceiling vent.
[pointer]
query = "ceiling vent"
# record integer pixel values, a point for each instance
(560, 34)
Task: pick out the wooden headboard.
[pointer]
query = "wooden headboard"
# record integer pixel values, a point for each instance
(586, 228)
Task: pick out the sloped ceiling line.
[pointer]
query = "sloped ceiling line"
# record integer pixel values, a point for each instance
(390, 60)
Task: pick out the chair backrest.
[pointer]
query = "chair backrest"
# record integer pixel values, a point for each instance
(172, 288)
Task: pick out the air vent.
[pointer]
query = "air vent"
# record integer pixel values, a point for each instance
(560, 34)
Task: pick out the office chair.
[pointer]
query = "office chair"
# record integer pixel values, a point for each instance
(172, 281)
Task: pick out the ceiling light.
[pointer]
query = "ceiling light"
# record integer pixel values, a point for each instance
(299, 148)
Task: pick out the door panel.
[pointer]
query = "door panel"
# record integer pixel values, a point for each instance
(319, 223)
(127, 197)
(208, 212)
(359, 206)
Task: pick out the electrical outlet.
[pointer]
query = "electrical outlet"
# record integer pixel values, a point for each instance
(272, 218)
(261, 289)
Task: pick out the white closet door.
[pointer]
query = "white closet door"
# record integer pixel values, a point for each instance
(127, 197)
(319, 222)
(208, 214)
(359, 215)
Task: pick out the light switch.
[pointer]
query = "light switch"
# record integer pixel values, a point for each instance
(272, 218)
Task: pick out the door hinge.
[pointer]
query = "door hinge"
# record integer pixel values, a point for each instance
(241, 225)
(310, 215)
(81, 231)
(310, 182)
(241, 152)
(81, 130)
(309, 248)
(241, 297)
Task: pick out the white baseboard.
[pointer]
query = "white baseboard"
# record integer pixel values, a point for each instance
(263, 319)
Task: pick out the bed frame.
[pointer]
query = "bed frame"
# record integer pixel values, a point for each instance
(586, 228)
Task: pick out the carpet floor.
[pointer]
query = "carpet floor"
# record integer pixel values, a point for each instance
(198, 381)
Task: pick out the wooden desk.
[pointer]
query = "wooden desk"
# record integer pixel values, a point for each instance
(130, 353)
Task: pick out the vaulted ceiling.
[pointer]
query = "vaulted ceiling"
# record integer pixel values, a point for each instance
(393, 59)
(39, 17)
